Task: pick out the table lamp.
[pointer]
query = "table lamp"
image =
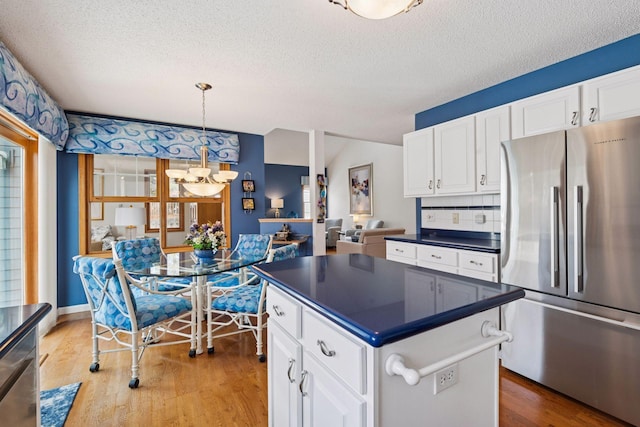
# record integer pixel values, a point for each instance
(277, 204)
(130, 217)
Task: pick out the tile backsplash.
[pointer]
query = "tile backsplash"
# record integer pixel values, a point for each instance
(463, 213)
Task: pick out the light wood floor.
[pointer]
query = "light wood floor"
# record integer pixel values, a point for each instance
(229, 388)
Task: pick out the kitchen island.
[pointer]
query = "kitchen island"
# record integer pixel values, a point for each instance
(360, 341)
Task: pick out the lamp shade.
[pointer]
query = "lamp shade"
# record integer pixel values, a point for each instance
(130, 216)
(277, 203)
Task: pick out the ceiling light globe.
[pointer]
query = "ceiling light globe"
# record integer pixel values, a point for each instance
(379, 9)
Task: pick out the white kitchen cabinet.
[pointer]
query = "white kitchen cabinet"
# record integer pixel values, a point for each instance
(284, 363)
(328, 377)
(611, 97)
(555, 110)
(316, 374)
(454, 158)
(418, 163)
(492, 127)
(479, 265)
(401, 252)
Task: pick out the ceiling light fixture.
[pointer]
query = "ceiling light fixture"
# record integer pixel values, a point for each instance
(377, 9)
(196, 180)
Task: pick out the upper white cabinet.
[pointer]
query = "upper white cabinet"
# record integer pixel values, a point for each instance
(614, 96)
(492, 127)
(548, 112)
(418, 163)
(455, 156)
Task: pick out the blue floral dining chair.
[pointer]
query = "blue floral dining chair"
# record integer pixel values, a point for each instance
(254, 246)
(118, 314)
(138, 253)
(244, 306)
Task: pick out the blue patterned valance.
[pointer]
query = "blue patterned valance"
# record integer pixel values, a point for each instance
(108, 135)
(23, 96)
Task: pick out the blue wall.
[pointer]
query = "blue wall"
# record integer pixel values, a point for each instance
(607, 59)
(283, 182)
(69, 287)
(614, 57)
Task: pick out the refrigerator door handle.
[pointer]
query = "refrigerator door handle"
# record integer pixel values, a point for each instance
(555, 256)
(578, 282)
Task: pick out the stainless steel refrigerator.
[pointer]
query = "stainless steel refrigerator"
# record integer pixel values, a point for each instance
(571, 237)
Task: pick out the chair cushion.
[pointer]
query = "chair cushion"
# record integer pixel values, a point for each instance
(241, 300)
(156, 308)
(253, 245)
(138, 253)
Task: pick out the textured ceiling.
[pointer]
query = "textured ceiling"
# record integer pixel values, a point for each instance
(296, 64)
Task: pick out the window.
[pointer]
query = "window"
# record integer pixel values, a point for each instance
(118, 182)
(306, 201)
(18, 213)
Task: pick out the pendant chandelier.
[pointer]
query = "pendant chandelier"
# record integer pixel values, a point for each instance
(197, 180)
(377, 9)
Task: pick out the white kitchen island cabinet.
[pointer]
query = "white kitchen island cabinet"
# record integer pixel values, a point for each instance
(353, 339)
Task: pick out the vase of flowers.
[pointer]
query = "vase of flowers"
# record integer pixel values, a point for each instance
(205, 239)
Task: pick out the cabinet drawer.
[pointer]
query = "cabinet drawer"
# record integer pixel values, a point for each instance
(437, 255)
(337, 352)
(478, 262)
(406, 252)
(284, 310)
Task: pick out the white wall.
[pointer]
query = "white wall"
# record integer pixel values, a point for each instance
(389, 203)
(47, 235)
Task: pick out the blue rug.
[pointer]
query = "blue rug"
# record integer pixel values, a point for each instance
(56, 403)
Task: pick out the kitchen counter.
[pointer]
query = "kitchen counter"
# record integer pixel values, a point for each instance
(367, 296)
(362, 341)
(451, 240)
(19, 369)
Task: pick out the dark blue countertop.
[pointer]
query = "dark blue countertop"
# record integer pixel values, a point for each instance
(382, 301)
(18, 321)
(473, 244)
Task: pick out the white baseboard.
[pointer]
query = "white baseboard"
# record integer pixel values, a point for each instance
(73, 309)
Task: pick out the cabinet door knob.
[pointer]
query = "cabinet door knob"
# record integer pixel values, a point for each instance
(277, 311)
(325, 350)
(483, 179)
(303, 379)
(430, 184)
(592, 114)
(438, 184)
(574, 118)
(292, 362)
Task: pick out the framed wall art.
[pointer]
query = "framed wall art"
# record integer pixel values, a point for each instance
(248, 204)
(361, 190)
(248, 186)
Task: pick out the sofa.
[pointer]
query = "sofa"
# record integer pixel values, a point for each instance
(371, 242)
(354, 234)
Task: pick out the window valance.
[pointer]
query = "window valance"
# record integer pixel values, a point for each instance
(23, 96)
(90, 134)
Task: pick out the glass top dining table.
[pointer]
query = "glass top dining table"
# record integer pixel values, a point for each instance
(186, 264)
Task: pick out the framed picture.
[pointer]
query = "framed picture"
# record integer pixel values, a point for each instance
(248, 186)
(248, 204)
(361, 190)
(97, 211)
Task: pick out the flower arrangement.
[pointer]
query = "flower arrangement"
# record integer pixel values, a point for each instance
(206, 236)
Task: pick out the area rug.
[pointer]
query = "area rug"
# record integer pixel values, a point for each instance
(56, 403)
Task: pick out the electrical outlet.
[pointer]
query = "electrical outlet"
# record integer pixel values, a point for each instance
(445, 378)
(456, 218)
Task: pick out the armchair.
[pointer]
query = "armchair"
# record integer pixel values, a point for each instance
(332, 231)
(371, 242)
(354, 234)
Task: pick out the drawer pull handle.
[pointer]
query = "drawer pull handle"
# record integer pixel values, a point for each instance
(483, 179)
(277, 311)
(592, 115)
(430, 184)
(574, 118)
(292, 362)
(325, 350)
(476, 263)
(436, 256)
(302, 383)
(400, 250)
